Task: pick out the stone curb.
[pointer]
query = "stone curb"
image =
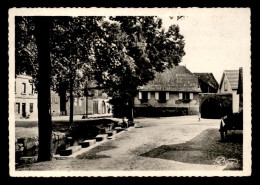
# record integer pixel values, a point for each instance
(83, 150)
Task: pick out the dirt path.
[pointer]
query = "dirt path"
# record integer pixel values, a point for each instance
(124, 152)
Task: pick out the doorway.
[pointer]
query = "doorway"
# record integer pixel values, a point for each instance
(211, 108)
(95, 107)
(103, 107)
(24, 109)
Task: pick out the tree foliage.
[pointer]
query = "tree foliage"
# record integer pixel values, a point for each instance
(131, 50)
(72, 54)
(121, 53)
(26, 53)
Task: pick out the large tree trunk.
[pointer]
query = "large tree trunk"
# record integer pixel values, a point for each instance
(42, 32)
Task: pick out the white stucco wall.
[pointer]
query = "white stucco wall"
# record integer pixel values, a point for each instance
(222, 89)
(235, 101)
(235, 96)
(173, 102)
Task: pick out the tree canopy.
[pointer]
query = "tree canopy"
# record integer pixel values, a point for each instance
(131, 50)
(120, 53)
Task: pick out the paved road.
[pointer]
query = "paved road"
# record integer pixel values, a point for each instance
(123, 152)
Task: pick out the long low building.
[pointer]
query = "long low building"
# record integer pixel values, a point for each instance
(173, 92)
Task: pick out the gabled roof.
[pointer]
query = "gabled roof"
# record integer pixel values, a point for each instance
(207, 78)
(232, 76)
(178, 78)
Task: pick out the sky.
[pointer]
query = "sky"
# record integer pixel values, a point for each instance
(215, 40)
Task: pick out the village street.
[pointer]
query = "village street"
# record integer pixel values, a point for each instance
(155, 144)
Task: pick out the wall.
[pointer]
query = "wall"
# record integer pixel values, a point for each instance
(222, 89)
(30, 96)
(26, 97)
(173, 105)
(80, 108)
(235, 96)
(235, 103)
(55, 104)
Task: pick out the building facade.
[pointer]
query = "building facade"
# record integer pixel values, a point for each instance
(26, 101)
(229, 84)
(96, 103)
(25, 97)
(173, 92)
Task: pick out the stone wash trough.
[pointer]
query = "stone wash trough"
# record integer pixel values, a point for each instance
(65, 142)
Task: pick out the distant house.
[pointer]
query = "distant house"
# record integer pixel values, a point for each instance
(173, 92)
(208, 83)
(26, 98)
(229, 84)
(97, 102)
(26, 101)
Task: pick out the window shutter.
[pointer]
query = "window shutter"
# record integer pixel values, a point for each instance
(157, 95)
(140, 95)
(149, 96)
(191, 96)
(180, 96)
(167, 95)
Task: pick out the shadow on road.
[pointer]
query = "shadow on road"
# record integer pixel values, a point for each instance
(203, 149)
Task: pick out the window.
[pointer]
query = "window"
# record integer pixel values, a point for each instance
(225, 85)
(186, 96)
(23, 88)
(31, 88)
(162, 96)
(31, 107)
(144, 96)
(17, 108)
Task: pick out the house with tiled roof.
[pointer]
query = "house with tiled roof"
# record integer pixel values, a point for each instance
(172, 92)
(208, 83)
(26, 98)
(229, 85)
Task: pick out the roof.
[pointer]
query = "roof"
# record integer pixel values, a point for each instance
(207, 78)
(232, 76)
(178, 78)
